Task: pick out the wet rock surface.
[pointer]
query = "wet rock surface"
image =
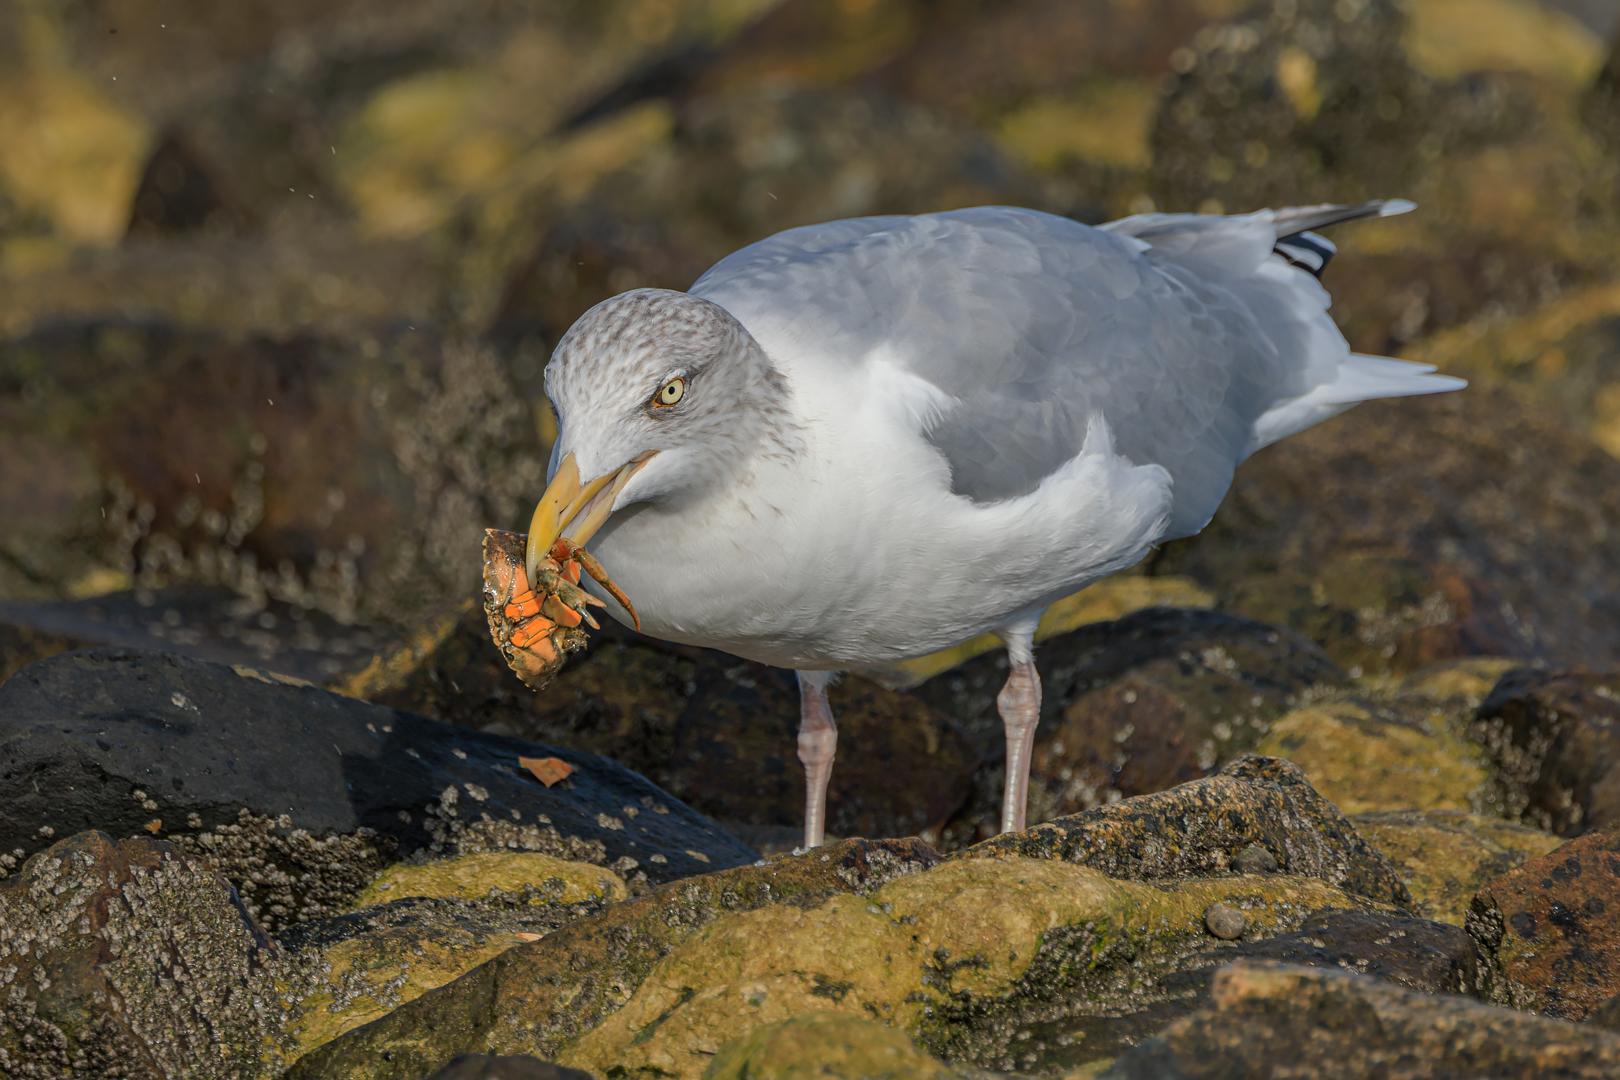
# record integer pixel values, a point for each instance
(1200, 827)
(300, 795)
(1263, 1019)
(1552, 926)
(1555, 740)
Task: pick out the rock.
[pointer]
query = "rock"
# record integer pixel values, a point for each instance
(490, 1067)
(132, 959)
(831, 1044)
(1505, 510)
(1362, 755)
(1554, 738)
(1561, 354)
(1199, 827)
(1254, 859)
(1445, 856)
(300, 795)
(964, 957)
(471, 877)
(1224, 922)
(1415, 953)
(1129, 707)
(349, 970)
(537, 998)
(140, 484)
(1264, 1018)
(717, 731)
(207, 622)
(1553, 928)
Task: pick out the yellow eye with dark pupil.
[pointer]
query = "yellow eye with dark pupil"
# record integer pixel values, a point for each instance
(671, 393)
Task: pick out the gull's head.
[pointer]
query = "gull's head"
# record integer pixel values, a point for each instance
(657, 393)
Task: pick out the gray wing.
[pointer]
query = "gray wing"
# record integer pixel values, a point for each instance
(1031, 324)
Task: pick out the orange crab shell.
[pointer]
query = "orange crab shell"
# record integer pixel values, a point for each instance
(533, 644)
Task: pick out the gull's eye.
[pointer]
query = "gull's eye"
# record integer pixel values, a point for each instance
(671, 393)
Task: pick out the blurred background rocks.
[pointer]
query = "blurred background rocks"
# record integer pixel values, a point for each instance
(278, 283)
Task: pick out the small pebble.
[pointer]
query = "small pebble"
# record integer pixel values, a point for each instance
(1224, 922)
(1254, 859)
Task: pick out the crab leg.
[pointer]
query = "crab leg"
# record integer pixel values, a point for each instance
(565, 549)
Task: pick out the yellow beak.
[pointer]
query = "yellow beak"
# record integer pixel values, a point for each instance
(579, 510)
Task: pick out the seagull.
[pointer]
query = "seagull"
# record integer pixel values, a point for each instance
(864, 441)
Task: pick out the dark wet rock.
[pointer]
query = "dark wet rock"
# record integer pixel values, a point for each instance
(1553, 928)
(131, 959)
(1445, 856)
(501, 1067)
(715, 730)
(207, 622)
(300, 795)
(539, 997)
(1262, 1019)
(1554, 738)
(1423, 956)
(1510, 514)
(1199, 827)
(1131, 706)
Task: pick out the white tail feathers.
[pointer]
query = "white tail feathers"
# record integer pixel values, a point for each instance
(1360, 378)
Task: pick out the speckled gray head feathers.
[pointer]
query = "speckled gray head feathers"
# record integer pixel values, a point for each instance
(605, 371)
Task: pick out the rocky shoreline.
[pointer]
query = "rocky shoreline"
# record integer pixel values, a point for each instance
(222, 873)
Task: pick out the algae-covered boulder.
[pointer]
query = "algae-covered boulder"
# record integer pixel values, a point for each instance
(1275, 1019)
(346, 971)
(536, 998)
(1445, 856)
(132, 959)
(472, 877)
(1362, 756)
(829, 1044)
(1203, 826)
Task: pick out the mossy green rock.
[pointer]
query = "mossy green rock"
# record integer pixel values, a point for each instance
(940, 955)
(666, 980)
(1362, 757)
(834, 1045)
(1445, 856)
(536, 998)
(1200, 827)
(471, 877)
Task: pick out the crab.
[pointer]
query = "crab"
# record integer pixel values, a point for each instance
(537, 625)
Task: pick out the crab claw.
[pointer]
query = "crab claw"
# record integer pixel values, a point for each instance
(564, 549)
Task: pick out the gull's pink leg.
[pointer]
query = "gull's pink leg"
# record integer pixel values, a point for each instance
(1020, 706)
(818, 743)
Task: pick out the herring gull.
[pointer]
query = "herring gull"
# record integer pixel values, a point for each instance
(864, 441)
